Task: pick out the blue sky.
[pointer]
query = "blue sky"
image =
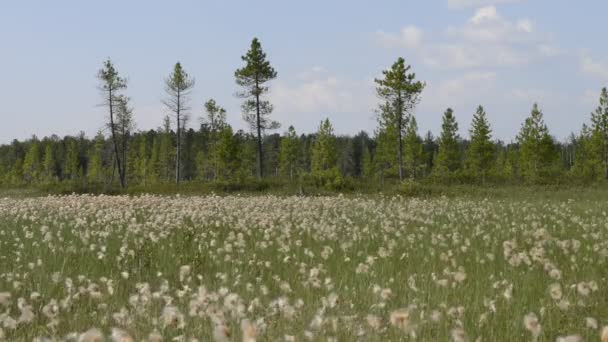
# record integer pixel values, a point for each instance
(504, 54)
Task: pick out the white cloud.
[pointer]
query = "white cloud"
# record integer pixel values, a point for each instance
(594, 68)
(477, 3)
(458, 91)
(324, 93)
(486, 39)
(409, 37)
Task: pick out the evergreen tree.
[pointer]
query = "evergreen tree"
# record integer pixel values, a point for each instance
(324, 148)
(400, 93)
(49, 163)
(178, 86)
(448, 157)
(95, 168)
(414, 156)
(227, 154)
(165, 151)
(215, 120)
(599, 133)
(253, 77)
(32, 166)
(289, 153)
(481, 149)
(71, 168)
(537, 149)
(111, 85)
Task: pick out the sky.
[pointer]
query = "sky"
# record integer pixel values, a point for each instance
(502, 54)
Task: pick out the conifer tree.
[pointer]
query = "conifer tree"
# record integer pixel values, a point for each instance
(537, 149)
(49, 163)
(481, 150)
(400, 93)
(95, 168)
(111, 85)
(599, 133)
(448, 157)
(253, 78)
(414, 156)
(215, 120)
(289, 153)
(71, 167)
(32, 166)
(324, 148)
(178, 87)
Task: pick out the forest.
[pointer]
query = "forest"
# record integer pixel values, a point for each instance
(213, 153)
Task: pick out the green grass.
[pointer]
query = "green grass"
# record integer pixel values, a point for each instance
(251, 245)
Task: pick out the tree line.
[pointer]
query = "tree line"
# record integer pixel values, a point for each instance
(214, 152)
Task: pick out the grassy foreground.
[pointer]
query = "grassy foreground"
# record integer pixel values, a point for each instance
(268, 268)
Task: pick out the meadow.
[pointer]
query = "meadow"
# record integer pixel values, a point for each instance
(287, 268)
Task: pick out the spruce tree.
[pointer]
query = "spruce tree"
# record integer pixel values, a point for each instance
(253, 78)
(414, 156)
(481, 150)
(448, 157)
(537, 149)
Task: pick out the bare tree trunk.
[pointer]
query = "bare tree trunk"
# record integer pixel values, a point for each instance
(260, 153)
(178, 154)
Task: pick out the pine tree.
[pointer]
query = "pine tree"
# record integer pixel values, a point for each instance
(289, 153)
(324, 149)
(481, 149)
(385, 160)
(537, 149)
(178, 86)
(448, 157)
(253, 77)
(400, 94)
(111, 85)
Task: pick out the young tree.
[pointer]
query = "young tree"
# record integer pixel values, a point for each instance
(111, 85)
(414, 156)
(32, 167)
(49, 163)
(289, 152)
(71, 168)
(537, 149)
(599, 133)
(95, 167)
(253, 77)
(448, 158)
(227, 153)
(400, 92)
(178, 86)
(324, 148)
(215, 120)
(481, 149)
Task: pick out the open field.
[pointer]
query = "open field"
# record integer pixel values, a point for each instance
(269, 268)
